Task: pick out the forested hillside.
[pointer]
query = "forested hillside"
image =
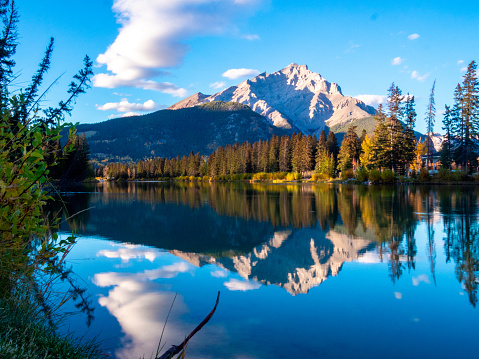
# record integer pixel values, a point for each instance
(169, 133)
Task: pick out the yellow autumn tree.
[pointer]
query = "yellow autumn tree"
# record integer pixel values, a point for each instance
(420, 150)
(366, 156)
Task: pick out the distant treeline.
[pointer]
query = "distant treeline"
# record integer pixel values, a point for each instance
(393, 146)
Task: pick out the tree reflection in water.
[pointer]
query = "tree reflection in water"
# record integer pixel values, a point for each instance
(248, 215)
(460, 217)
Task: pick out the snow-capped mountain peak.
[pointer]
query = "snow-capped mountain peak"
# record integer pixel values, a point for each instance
(296, 98)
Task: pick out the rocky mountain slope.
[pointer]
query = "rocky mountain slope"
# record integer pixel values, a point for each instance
(294, 98)
(188, 102)
(295, 260)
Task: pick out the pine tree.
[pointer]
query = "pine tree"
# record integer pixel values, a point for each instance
(296, 143)
(409, 144)
(430, 119)
(332, 147)
(273, 156)
(381, 151)
(446, 158)
(349, 151)
(396, 111)
(466, 119)
(8, 47)
(284, 154)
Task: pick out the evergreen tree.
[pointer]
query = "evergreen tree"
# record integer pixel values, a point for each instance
(296, 143)
(430, 119)
(446, 153)
(284, 154)
(409, 144)
(466, 119)
(273, 156)
(381, 151)
(395, 108)
(320, 149)
(363, 136)
(332, 147)
(350, 150)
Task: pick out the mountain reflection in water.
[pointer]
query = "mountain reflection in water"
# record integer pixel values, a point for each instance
(293, 236)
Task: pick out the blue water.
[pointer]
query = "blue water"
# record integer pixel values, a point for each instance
(304, 271)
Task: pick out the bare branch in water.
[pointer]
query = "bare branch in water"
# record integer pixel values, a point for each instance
(176, 349)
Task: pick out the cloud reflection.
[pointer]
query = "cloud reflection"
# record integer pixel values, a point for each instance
(420, 278)
(140, 306)
(130, 251)
(219, 273)
(241, 285)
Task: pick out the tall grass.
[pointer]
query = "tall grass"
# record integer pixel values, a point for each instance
(25, 331)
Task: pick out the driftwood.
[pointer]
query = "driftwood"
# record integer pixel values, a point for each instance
(175, 349)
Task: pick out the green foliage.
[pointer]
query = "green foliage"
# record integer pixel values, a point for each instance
(388, 176)
(31, 252)
(24, 333)
(375, 176)
(361, 174)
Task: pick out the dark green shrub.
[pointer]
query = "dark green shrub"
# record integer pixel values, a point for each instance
(374, 176)
(362, 175)
(388, 176)
(443, 175)
(459, 176)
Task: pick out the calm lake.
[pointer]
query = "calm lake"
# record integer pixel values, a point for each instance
(304, 271)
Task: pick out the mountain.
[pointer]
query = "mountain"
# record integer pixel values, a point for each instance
(296, 99)
(188, 102)
(295, 260)
(168, 133)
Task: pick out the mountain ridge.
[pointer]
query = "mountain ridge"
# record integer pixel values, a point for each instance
(296, 99)
(169, 133)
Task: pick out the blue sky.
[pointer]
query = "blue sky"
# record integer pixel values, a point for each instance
(149, 54)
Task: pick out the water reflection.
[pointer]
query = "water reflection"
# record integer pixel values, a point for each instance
(293, 236)
(461, 228)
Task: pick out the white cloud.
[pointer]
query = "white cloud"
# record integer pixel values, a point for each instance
(218, 84)
(235, 284)
(125, 106)
(397, 61)
(459, 62)
(112, 81)
(463, 69)
(238, 73)
(130, 114)
(422, 78)
(152, 36)
(372, 100)
(420, 278)
(413, 36)
(219, 273)
(251, 37)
